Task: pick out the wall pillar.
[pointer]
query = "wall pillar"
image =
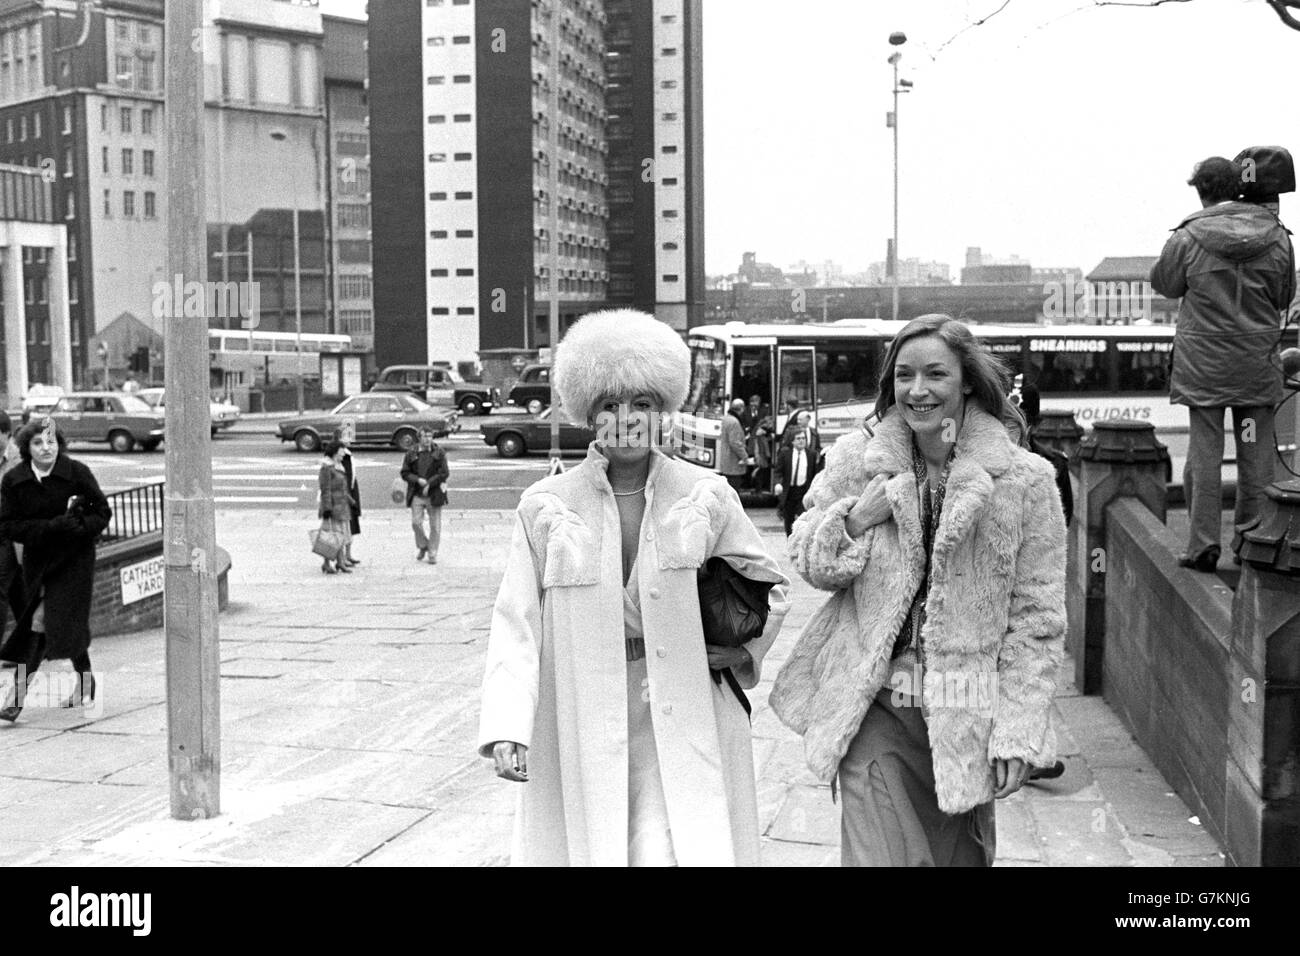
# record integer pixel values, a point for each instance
(1262, 780)
(1117, 458)
(15, 312)
(60, 315)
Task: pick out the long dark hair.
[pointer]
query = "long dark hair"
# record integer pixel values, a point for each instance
(982, 372)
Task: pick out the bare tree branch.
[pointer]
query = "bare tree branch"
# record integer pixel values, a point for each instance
(1284, 10)
(970, 26)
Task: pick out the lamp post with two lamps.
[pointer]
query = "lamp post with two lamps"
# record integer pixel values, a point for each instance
(900, 86)
(280, 136)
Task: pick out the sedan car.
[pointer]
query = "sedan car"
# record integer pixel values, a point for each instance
(519, 436)
(223, 413)
(389, 418)
(121, 420)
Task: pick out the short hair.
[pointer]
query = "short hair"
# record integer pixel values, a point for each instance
(425, 430)
(6, 423)
(1216, 179)
(31, 430)
(620, 353)
(332, 447)
(981, 370)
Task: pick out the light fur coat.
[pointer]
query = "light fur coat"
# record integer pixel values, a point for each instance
(995, 615)
(556, 673)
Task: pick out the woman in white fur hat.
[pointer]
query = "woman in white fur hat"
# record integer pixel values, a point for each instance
(597, 696)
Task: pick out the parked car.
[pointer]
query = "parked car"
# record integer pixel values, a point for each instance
(532, 392)
(438, 385)
(514, 437)
(393, 419)
(41, 399)
(123, 421)
(223, 413)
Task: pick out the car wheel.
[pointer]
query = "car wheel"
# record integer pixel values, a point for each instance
(405, 439)
(535, 406)
(215, 429)
(471, 405)
(510, 445)
(306, 441)
(121, 442)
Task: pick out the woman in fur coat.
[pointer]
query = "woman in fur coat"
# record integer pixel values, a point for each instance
(598, 697)
(924, 684)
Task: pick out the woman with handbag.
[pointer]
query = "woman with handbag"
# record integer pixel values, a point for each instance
(336, 507)
(598, 695)
(924, 685)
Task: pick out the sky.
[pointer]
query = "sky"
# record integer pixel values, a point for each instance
(1058, 130)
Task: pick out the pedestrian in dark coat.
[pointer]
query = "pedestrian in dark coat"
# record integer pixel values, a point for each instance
(11, 579)
(1233, 266)
(425, 471)
(354, 492)
(52, 506)
(336, 504)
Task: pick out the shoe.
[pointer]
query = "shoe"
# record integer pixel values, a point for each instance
(327, 569)
(1047, 773)
(421, 553)
(10, 713)
(85, 691)
(433, 559)
(354, 561)
(1205, 562)
(343, 568)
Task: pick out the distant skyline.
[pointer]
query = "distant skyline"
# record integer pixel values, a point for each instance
(1058, 131)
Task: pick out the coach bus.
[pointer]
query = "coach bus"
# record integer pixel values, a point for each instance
(1099, 373)
(242, 358)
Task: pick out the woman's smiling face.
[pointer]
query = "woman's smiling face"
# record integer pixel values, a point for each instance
(929, 387)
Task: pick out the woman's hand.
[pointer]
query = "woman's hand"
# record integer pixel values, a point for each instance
(511, 760)
(720, 658)
(1009, 776)
(871, 509)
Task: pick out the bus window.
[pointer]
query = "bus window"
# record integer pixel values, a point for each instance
(232, 343)
(1143, 364)
(752, 373)
(848, 371)
(288, 345)
(1068, 366)
(1010, 352)
(708, 369)
(263, 345)
(795, 371)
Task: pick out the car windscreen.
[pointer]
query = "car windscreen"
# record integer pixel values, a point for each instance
(134, 406)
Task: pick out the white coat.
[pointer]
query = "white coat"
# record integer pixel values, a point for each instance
(556, 673)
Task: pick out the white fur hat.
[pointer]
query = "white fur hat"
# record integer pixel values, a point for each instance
(620, 352)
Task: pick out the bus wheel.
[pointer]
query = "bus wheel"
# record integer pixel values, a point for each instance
(535, 406)
(121, 442)
(510, 445)
(306, 441)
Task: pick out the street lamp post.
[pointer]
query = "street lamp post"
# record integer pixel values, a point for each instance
(896, 39)
(281, 136)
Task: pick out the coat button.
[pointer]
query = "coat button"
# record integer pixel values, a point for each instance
(654, 592)
(667, 709)
(650, 536)
(662, 652)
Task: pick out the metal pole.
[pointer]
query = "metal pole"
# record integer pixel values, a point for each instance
(553, 237)
(189, 536)
(896, 257)
(297, 296)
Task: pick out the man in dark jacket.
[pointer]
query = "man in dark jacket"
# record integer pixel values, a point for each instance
(1234, 268)
(733, 456)
(796, 468)
(425, 471)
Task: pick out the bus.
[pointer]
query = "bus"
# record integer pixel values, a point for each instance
(1099, 373)
(248, 358)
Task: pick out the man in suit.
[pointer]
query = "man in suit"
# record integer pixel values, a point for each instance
(800, 423)
(796, 467)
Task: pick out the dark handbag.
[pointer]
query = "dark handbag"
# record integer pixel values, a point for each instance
(733, 611)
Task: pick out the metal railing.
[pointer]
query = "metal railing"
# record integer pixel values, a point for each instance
(136, 512)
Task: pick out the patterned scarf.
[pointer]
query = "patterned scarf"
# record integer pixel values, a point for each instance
(930, 510)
